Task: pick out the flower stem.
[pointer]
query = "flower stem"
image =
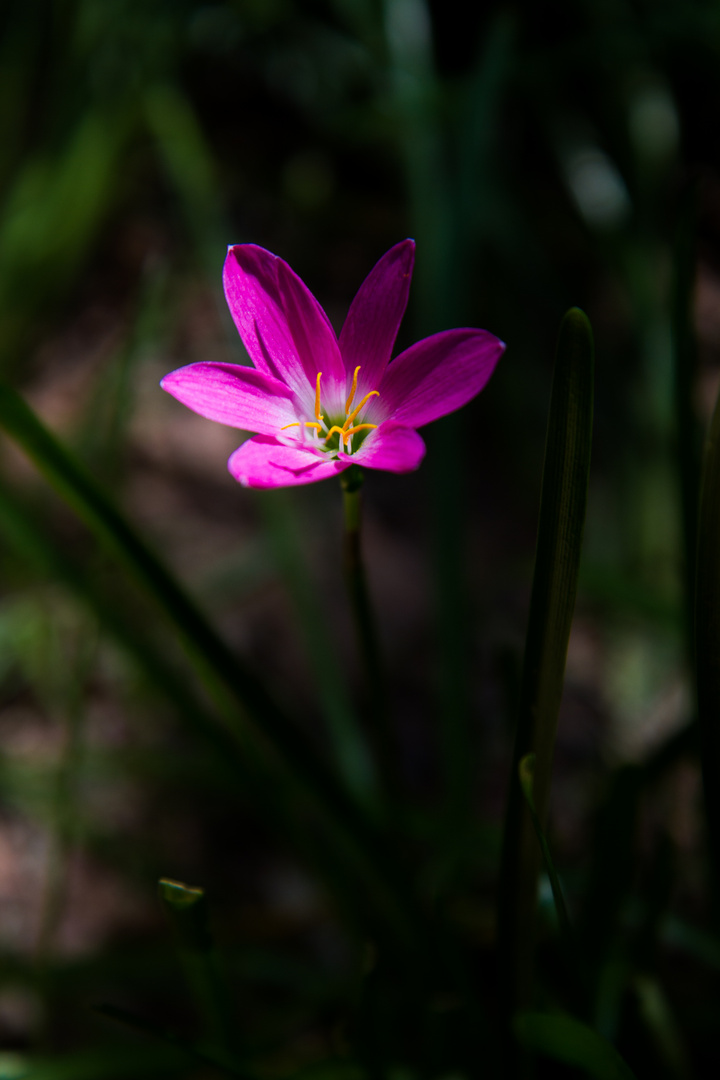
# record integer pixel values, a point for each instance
(367, 637)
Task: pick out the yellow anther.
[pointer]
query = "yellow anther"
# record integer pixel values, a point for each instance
(360, 427)
(286, 426)
(353, 388)
(354, 413)
(317, 397)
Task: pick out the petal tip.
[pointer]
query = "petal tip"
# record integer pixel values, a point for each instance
(168, 380)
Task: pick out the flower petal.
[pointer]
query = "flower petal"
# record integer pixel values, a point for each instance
(313, 337)
(263, 462)
(392, 447)
(252, 294)
(368, 335)
(285, 331)
(438, 375)
(231, 394)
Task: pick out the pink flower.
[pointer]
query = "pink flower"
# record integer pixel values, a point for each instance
(318, 403)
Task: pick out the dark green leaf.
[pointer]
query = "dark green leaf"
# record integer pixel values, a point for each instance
(707, 632)
(564, 1039)
(557, 560)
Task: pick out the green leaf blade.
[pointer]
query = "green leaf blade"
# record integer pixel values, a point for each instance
(557, 561)
(565, 1039)
(707, 632)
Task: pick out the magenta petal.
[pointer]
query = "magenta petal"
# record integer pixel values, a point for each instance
(283, 328)
(438, 375)
(313, 337)
(253, 296)
(372, 323)
(239, 396)
(263, 462)
(391, 447)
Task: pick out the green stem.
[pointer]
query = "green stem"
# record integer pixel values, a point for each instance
(65, 694)
(575, 969)
(526, 773)
(186, 911)
(707, 636)
(686, 425)
(367, 637)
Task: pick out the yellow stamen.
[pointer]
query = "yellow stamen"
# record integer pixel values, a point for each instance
(347, 429)
(340, 430)
(308, 423)
(317, 398)
(354, 413)
(353, 388)
(360, 427)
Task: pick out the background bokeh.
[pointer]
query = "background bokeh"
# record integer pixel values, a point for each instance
(541, 156)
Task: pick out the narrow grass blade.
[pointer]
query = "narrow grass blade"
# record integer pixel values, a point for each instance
(567, 1040)
(659, 1018)
(684, 368)
(225, 673)
(526, 772)
(154, 1031)
(560, 530)
(187, 912)
(707, 634)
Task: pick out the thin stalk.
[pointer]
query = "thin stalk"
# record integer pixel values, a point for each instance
(526, 773)
(187, 912)
(707, 635)
(365, 628)
(577, 985)
(686, 425)
(552, 602)
(67, 690)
